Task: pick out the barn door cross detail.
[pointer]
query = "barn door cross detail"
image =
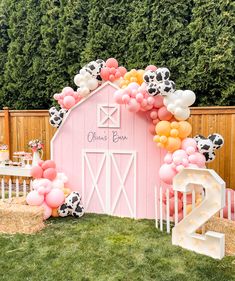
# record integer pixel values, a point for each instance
(95, 180)
(122, 181)
(109, 120)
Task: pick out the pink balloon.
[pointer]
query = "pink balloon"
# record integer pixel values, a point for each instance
(152, 129)
(179, 168)
(168, 158)
(118, 96)
(176, 160)
(164, 196)
(139, 97)
(36, 172)
(112, 70)
(40, 162)
(111, 62)
(158, 101)
(133, 86)
(34, 198)
(180, 153)
(122, 70)
(188, 142)
(56, 96)
(133, 106)
(50, 174)
(45, 186)
(164, 114)
(151, 67)
(172, 206)
(47, 211)
(167, 173)
(192, 159)
(150, 100)
(55, 198)
(155, 121)
(111, 77)
(48, 164)
(185, 162)
(67, 91)
(200, 159)
(117, 75)
(153, 114)
(104, 73)
(69, 102)
(190, 150)
(126, 98)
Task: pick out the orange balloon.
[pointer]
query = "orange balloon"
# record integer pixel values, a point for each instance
(127, 76)
(174, 133)
(133, 72)
(172, 144)
(163, 128)
(163, 139)
(140, 76)
(175, 125)
(185, 129)
(133, 79)
(156, 138)
(66, 191)
(55, 213)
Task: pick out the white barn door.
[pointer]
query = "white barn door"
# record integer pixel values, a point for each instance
(109, 182)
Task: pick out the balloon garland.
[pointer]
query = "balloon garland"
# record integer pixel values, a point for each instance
(151, 92)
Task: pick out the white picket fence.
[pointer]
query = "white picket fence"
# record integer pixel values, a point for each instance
(14, 187)
(164, 221)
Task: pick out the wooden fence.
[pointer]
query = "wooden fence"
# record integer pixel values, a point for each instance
(17, 127)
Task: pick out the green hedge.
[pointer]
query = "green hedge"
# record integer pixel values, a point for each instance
(44, 43)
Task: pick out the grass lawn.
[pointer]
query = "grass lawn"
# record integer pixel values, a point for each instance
(104, 248)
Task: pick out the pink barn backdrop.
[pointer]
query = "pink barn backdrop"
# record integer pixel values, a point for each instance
(108, 155)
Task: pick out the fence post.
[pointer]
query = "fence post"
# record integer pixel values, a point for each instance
(7, 139)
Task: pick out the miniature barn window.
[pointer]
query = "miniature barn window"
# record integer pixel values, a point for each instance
(108, 115)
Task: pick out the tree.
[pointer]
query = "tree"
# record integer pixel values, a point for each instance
(212, 56)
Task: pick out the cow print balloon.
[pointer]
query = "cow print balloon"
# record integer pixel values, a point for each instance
(166, 87)
(149, 76)
(72, 206)
(206, 146)
(217, 140)
(152, 89)
(162, 74)
(56, 117)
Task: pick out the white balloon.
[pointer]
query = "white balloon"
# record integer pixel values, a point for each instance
(77, 79)
(83, 71)
(58, 183)
(171, 108)
(84, 91)
(182, 114)
(92, 84)
(188, 98)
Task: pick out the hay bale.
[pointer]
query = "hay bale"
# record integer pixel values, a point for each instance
(228, 228)
(18, 217)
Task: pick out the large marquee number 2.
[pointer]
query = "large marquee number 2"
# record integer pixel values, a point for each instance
(184, 233)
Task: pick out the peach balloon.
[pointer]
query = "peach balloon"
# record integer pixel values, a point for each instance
(163, 128)
(185, 129)
(173, 144)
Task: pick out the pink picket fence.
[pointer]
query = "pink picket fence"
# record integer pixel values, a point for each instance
(167, 214)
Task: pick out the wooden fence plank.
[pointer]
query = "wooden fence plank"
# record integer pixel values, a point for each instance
(29, 124)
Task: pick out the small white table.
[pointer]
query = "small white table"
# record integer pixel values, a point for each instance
(15, 171)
